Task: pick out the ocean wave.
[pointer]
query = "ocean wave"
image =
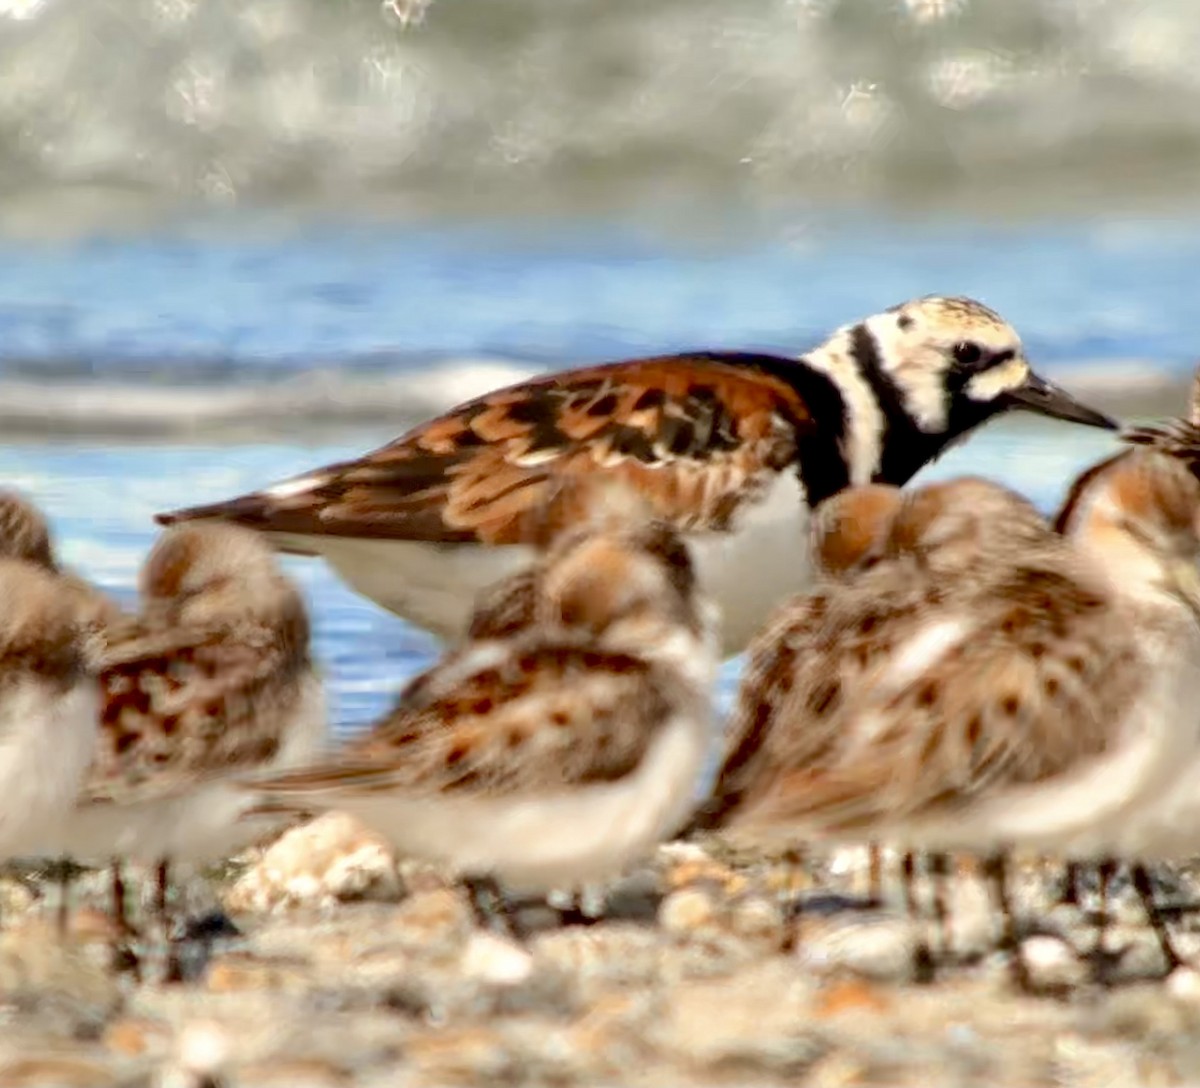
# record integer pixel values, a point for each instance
(332, 401)
(415, 106)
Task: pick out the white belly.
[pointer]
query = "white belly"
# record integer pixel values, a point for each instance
(199, 824)
(561, 839)
(1109, 805)
(746, 572)
(46, 746)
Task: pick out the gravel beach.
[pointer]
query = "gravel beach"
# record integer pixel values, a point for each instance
(322, 961)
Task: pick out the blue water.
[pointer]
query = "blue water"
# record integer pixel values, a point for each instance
(141, 373)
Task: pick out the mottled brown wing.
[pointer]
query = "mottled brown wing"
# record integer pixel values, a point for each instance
(773, 659)
(1047, 668)
(182, 705)
(550, 716)
(695, 436)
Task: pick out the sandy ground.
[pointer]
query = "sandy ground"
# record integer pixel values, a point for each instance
(346, 969)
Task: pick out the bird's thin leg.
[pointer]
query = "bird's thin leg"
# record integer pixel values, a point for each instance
(162, 885)
(123, 958)
(1106, 869)
(923, 965)
(491, 908)
(1071, 884)
(65, 876)
(120, 917)
(172, 968)
(939, 871)
(995, 868)
(875, 874)
(1144, 887)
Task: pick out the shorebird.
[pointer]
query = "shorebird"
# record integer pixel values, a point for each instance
(25, 534)
(555, 751)
(733, 449)
(989, 683)
(211, 681)
(49, 699)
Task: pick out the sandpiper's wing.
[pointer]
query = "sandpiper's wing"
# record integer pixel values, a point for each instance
(181, 704)
(1015, 692)
(545, 717)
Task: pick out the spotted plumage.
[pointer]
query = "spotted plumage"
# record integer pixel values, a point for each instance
(732, 449)
(555, 750)
(211, 680)
(966, 691)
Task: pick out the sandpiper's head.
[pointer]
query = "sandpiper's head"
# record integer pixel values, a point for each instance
(967, 527)
(215, 574)
(1138, 515)
(850, 529)
(622, 582)
(24, 531)
(1179, 437)
(953, 363)
(40, 631)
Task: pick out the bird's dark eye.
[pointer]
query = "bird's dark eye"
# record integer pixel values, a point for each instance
(967, 353)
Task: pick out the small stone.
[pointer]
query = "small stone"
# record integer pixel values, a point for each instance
(1183, 984)
(132, 1037)
(1052, 963)
(758, 919)
(203, 1051)
(850, 996)
(686, 910)
(496, 961)
(333, 858)
(877, 947)
(435, 924)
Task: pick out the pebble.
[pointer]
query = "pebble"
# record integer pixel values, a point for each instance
(435, 924)
(875, 946)
(687, 910)
(1052, 963)
(333, 858)
(1184, 985)
(496, 961)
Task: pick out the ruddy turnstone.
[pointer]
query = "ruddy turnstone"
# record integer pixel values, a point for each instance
(557, 754)
(211, 681)
(730, 448)
(49, 700)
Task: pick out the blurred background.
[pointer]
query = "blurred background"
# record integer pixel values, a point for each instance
(239, 238)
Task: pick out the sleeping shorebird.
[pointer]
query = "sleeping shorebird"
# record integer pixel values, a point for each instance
(211, 681)
(49, 700)
(550, 751)
(989, 683)
(732, 449)
(25, 534)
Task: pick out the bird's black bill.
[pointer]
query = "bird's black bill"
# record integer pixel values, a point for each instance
(1048, 399)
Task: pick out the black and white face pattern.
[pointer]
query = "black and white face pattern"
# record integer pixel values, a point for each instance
(939, 351)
